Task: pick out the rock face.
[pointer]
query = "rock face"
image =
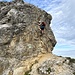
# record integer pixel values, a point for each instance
(23, 50)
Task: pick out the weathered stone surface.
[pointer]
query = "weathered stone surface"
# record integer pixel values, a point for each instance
(4, 64)
(23, 49)
(19, 32)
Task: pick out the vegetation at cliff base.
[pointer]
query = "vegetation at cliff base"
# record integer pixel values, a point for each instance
(72, 60)
(74, 73)
(27, 72)
(49, 70)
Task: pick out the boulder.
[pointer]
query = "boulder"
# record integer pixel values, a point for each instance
(23, 49)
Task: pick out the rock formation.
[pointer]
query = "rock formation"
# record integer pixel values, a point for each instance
(23, 50)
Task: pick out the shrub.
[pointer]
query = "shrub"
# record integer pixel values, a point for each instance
(71, 60)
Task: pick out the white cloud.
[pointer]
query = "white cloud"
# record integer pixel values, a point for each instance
(63, 21)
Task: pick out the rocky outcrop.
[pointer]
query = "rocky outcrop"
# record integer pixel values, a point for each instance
(23, 50)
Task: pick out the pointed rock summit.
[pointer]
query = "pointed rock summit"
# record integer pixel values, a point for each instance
(23, 50)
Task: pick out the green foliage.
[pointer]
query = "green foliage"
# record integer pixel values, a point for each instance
(49, 70)
(71, 60)
(60, 56)
(27, 72)
(36, 61)
(74, 73)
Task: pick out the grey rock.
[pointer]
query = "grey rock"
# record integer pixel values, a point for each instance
(20, 22)
(4, 64)
(4, 12)
(20, 38)
(19, 33)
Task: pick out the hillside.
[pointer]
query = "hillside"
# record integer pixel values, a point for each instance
(23, 50)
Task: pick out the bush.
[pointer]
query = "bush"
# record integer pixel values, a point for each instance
(71, 60)
(49, 70)
(27, 72)
(74, 73)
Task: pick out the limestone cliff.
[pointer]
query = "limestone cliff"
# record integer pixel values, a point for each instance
(23, 50)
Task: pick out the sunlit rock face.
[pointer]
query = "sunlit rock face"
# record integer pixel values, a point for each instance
(19, 31)
(23, 50)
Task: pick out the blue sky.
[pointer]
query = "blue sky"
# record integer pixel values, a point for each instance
(63, 23)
